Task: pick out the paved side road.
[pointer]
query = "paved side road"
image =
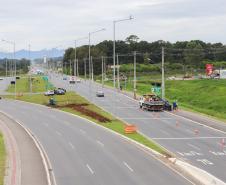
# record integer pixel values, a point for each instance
(25, 162)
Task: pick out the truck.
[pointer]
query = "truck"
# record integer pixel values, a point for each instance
(151, 102)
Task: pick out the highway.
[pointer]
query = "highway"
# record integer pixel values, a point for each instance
(82, 153)
(195, 143)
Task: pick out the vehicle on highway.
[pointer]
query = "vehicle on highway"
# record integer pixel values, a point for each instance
(78, 80)
(62, 89)
(72, 80)
(49, 93)
(151, 102)
(1, 78)
(64, 78)
(59, 92)
(100, 93)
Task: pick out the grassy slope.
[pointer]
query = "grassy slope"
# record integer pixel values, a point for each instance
(205, 96)
(38, 85)
(70, 97)
(2, 159)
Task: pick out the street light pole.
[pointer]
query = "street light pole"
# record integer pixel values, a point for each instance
(114, 26)
(163, 73)
(135, 76)
(90, 33)
(14, 56)
(75, 65)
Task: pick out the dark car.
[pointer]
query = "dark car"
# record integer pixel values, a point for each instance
(59, 92)
(62, 89)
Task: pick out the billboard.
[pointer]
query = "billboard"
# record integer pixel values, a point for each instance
(209, 69)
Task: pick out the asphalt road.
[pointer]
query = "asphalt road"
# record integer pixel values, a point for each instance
(83, 153)
(4, 84)
(190, 141)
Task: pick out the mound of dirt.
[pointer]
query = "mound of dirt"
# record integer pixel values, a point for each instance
(82, 109)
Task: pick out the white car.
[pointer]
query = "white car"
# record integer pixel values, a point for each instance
(100, 94)
(49, 93)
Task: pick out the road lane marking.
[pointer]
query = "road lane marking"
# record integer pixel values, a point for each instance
(128, 166)
(193, 146)
(137, 118)
(205, 162)
(190, 154)
(71, 145)
(58, 133)
(187, 138)
(82, 131)
(100, 143)
(90, 169)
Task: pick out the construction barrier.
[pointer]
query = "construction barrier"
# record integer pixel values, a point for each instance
(130, 129)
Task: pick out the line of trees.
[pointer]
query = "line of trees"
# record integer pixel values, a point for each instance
(193, 54)
(22, 66)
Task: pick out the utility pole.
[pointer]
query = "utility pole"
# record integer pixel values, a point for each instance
(29, 50)
(75, 65)
(163, 74)
(102, 69)
(92, 67)
(77, 68)
(85, 68)
(118, 73)
(135, 76)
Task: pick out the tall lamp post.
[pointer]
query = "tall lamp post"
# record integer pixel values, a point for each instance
(114, 26)
(14, 56)
(75, 62)
(91, 33)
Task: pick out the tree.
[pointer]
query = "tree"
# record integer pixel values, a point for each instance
(132, 39)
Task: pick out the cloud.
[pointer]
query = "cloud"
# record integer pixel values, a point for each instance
(49, 23)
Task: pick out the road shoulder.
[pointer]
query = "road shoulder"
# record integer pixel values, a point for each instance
(25, 164)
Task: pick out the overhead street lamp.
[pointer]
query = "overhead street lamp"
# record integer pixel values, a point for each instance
(14, 56)
(114, 25)
(75, 62)
(90, 33)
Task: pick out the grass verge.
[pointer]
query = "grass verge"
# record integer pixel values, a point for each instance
(2, 159)
(73, 98)
(205, 96)
(23, 85)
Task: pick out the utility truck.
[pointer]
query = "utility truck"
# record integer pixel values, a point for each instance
(151, 102)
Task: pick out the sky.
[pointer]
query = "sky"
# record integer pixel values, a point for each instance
(57, 23)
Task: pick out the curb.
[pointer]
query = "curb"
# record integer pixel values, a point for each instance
(203, 176)
(47, 165)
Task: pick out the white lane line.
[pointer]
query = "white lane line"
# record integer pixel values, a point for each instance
(90, 169)
(71, 145)
(193, 146)
(82, 131)
(100, 143)
(188, 138)
(128, 166)
(58, 133)
(137, 118)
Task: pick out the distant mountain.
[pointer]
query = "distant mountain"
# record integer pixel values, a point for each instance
(50, 53)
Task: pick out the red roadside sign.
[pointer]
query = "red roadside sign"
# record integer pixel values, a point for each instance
(209, 69)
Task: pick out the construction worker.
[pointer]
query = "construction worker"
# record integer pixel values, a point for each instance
(175, 106)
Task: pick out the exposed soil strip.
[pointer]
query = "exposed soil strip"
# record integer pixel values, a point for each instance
(85, 111)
